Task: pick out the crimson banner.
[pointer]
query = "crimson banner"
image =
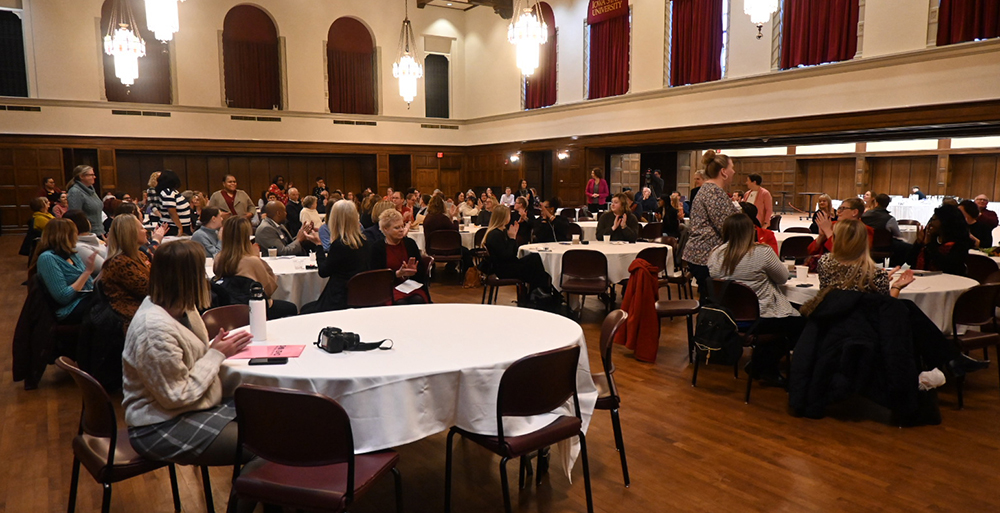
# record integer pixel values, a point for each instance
(602, 10)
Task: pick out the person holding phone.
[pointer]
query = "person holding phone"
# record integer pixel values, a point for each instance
(398, 252)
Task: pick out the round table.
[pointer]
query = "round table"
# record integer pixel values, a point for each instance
(781, 237)
(935, 295)
(443, 370)
(590, 229)
(468, 236)
(295, 283)
(620, 255)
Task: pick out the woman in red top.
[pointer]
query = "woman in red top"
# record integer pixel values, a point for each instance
(597, 191)
(400, 253)
(278, 189)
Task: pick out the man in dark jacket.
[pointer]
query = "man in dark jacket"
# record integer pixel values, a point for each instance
(879, 218)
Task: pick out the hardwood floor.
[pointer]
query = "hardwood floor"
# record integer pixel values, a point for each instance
(689, 449)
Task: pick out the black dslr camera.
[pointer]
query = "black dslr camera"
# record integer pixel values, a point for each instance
(335, 340)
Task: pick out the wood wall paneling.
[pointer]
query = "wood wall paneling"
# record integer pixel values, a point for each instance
(569, 178)
(972, 175)
(898, 174)
(833, 176)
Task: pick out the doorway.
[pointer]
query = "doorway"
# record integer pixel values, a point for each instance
(624, 172)
(400, 172)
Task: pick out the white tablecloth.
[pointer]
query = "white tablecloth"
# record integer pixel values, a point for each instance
(468, 236)
(300, 286)
(435, 376)
(935, 295)
(781, 237)
(620, 256)
(590, 229)
(918, 210)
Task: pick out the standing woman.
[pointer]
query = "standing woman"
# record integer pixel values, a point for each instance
(125, 274)
(240, 258)
(709, 211)
(400, 253)
(279, 190)
(525, 192)
(597, 191)
(153, 199)
(66, 276)
(170, 365)
(349, 254)
(174, 207)
(80, 195)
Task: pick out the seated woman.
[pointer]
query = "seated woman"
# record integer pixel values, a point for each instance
(757, 266)
(66, 276)
(824, 204)
(40, 213)
(468, 209)
(125, 277)
(980, 233)
(398, 252)
(618, 222)
(501, 244)
(373, 232)
(670, 215)
(309, 212)
(240, 258)
(850, 208)
(87, 242)
(945, 243)
(349, 254)
(173, 396)
(436, 218)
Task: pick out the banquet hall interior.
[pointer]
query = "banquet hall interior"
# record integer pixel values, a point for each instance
(814, 96)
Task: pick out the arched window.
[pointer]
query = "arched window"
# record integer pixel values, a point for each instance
(350, 65)
(436, 83)
(610, 34)
(153, 84)
(13, 75)
(540, 87)
(251, 62)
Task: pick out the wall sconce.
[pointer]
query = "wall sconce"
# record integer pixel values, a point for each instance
(514, 157)
(562, 155)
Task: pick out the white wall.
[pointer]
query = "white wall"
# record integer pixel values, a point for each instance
(894, 27)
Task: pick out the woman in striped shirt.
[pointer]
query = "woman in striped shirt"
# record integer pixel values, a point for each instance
(174, 207)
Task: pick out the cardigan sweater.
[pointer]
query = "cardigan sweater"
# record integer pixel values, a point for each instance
(58, 275)
(168, 368)
(81, 197)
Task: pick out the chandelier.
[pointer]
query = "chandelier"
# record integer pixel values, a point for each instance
(161, 18)
(406, 68)
(124, 43)
(527, 32)
(760, 12)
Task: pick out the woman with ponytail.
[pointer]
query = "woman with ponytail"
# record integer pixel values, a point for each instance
(709, 211)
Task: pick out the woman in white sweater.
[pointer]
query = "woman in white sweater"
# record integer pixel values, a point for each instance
(173, 395)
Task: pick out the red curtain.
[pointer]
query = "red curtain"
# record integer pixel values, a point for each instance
(251, 59)
(540, 87)
(696, 42)
(966, 20)
(818, 31)
(352, 82)
(609, 53)
(153, 84)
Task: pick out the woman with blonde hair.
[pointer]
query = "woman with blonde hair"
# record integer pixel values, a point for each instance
(398, 252)
(824, 204)
(349, 254)
(501, 245)
(65, 275)
(125, 274)
(81, 195)
(238, 257)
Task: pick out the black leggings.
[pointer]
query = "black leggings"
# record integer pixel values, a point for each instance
(701, 276)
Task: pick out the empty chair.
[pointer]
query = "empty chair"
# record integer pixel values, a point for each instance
(651, 231)
(608, 398)
(795, 247)
(225, 317)
(307, 447)
(445, 246)
(370, 288)
(569, 213)
(975, 307)
(676, 308)
(797, 229)
(101, 446)
(584, 272)
(534, 385)
(980, 267)
(775, 224)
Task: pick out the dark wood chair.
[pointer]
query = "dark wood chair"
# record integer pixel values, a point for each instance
(676, 308)
(975, 307)
(492, 284)
(657, 256)
(607, 391)
(569, 213)
(881, 245)
(681, 277)
(650, 231)
(445, 246)
(584, 272)
(534, 385)
(994, 277)
(775, 224)
(797, 229)
(307, 447)
(980, 266)
(101, 446)
(795, 247)
(225, 317)
(478, 251)
(575, 229)
(371, 288)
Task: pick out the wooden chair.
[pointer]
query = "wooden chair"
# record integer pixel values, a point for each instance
(607, 391)
(533, 385)
(584, 272)
(371, 288)
(797, 229)
(975, 307)
(795, 247)
(909, 222)
(980, 266)
(225, 317)
(675, 308)
(307, 447)
(681, 277)
(650, 231)
(101, 446)
(478, 251)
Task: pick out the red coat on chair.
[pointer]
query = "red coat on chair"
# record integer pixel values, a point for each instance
(642, 328)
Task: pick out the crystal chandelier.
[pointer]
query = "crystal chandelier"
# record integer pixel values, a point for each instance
(760, 12)
(406, 68)
(124, 43)
(161, 18)
(527, 31)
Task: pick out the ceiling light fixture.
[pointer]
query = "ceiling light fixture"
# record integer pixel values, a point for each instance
(406, 68)
(760, 12)
(162, 19)
(527, 31)
(124, 43)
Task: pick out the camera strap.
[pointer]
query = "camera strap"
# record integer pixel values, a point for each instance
(368, 346)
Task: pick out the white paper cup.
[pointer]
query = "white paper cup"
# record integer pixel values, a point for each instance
(576, 238)
(272, 252)
(801, 272)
